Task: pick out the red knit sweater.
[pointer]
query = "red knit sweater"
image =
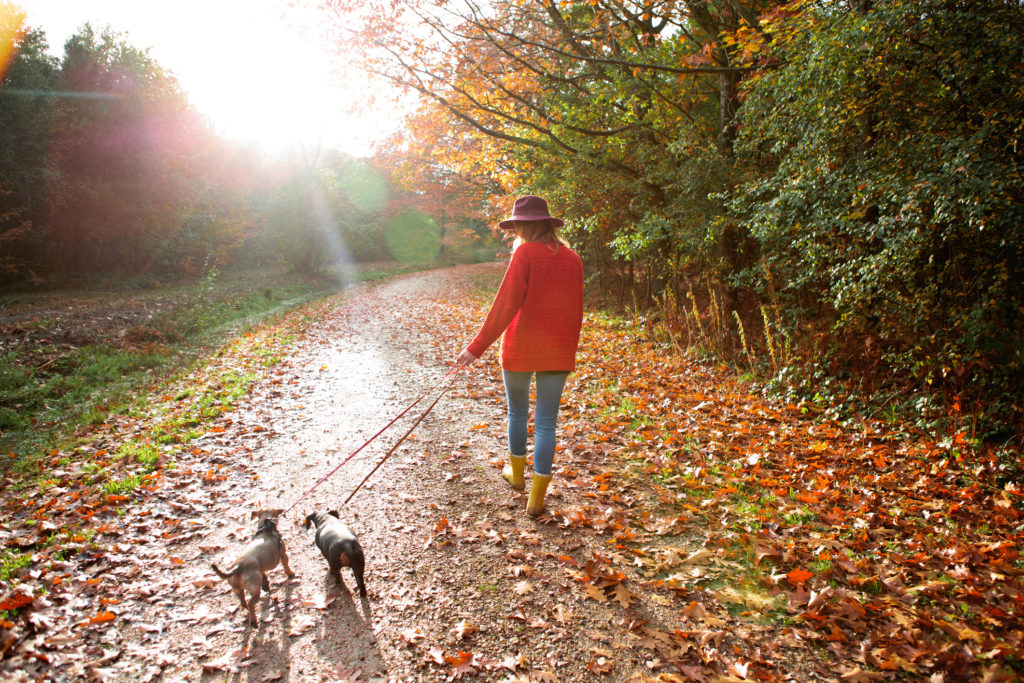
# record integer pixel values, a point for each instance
(539, 307)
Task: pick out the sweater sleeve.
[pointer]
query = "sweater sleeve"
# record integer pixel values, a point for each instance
(506, 304)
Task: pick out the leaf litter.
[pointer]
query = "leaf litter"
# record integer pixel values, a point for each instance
(695, 532)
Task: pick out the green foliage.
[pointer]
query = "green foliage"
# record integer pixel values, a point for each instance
(317, 214)
(25, 119)
(894, 212)
(121, 150)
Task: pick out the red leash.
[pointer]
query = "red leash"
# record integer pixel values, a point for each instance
(451, 374)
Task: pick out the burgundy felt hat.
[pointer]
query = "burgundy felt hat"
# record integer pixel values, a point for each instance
(529, 208)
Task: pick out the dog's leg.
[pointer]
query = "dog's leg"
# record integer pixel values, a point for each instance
(252, 604)
(239, 592)
(284, 561)
(334, 568)
(358, 562)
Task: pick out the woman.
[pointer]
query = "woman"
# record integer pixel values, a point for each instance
(539, 308)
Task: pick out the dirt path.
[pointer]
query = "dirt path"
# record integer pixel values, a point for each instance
(460, 581)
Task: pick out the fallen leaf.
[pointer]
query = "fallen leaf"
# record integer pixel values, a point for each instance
(301, 624)
(798, 576)
(229, 661)
(622, 595)
(410, 636)
(465, 629)
(860, 676)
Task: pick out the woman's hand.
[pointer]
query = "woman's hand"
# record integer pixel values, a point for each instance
(465, 358)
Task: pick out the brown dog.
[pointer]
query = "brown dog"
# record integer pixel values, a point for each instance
(260, 555)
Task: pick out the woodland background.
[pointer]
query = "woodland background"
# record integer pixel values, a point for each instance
(828, 195)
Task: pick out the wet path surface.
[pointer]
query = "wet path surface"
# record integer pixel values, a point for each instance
(349, 376)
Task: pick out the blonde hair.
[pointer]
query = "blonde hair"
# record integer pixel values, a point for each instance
(540, 231)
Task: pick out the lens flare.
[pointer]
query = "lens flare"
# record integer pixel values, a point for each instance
(413, 237)
(337, 251)
(365, 187)
(12, 21)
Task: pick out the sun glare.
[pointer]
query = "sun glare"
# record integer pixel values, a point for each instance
(11, 21)
(259, 70)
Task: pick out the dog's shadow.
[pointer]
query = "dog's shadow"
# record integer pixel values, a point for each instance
(255, 638)
(345, 636)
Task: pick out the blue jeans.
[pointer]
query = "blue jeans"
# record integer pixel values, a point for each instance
(549, 396)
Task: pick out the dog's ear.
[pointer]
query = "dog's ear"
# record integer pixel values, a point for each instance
(255, 514)
(274, 512)
(334, 512)
(309, 520)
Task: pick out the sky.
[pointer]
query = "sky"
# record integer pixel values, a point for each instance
(260, 72)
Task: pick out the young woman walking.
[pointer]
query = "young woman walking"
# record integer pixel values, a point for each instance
(539, 308)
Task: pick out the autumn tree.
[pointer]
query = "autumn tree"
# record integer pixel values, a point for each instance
(615, 110)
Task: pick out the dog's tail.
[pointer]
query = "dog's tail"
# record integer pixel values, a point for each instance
(223, 575)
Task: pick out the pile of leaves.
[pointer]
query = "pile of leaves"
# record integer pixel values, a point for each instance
(866, 553)
(881, 552)
(872, 551)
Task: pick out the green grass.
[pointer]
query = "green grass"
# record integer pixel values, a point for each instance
(145, 454)
(11, 562)
(122, 486)
(799, 516)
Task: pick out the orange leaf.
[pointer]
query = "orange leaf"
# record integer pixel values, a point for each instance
(798, 576)
(14, 602)
(100, 618)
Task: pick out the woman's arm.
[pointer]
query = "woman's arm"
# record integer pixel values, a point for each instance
(506, 305)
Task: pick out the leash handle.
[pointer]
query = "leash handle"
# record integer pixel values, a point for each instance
(451, 373)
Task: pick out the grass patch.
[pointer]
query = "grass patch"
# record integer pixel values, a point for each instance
(145, 454)
(11, 562)
(122, 486)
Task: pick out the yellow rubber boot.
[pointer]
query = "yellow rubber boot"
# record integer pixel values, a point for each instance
(513, 472)
(538, 489)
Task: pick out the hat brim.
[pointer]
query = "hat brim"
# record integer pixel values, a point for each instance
(510, 223)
